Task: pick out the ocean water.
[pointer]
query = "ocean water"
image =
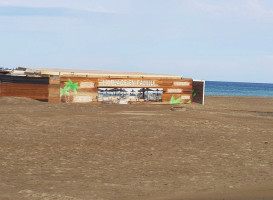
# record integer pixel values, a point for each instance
(239, 89)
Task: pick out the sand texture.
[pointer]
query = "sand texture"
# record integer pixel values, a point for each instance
(223, 150)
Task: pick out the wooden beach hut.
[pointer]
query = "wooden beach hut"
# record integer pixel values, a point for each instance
(93, 86)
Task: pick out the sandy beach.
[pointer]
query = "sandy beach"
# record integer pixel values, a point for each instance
(222, 150)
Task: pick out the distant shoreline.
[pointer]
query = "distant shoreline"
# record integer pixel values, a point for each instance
(214, 88)
(239, 82)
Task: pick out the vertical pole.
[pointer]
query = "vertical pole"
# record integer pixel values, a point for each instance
(204, 83)
(54, 89)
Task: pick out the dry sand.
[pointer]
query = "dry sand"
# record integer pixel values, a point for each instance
(223, 150)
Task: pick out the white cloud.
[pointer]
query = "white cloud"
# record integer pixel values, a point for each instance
(80, 5)
(206, 7)
(255, 9)
(251, 9)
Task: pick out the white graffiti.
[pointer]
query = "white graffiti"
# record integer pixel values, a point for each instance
(127, 83)
(87, 85)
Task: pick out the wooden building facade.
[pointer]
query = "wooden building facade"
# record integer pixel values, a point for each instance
(24, 86)
(67, 86)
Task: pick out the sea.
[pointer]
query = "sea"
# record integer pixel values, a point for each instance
(239, 89)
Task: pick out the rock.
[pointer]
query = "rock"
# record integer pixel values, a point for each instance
(178, 109)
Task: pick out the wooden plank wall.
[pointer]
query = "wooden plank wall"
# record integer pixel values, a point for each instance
(34, 91)
(88, 88)
(20, 86)
(1, 76)
(48, 88)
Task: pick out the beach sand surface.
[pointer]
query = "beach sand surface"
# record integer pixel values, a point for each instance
(222, 150)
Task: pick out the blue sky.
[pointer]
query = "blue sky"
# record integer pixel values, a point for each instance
(226, 40)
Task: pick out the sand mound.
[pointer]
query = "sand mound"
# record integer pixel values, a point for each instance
(17, 100)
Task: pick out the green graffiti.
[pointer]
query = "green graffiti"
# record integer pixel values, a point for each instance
(178, 100)
(193, 93)
(175, 101)
(64, 91)
(69, 86)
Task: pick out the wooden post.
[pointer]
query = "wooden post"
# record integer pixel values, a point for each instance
(54, 89)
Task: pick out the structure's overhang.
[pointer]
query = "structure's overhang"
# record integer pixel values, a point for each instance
(96, 73)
